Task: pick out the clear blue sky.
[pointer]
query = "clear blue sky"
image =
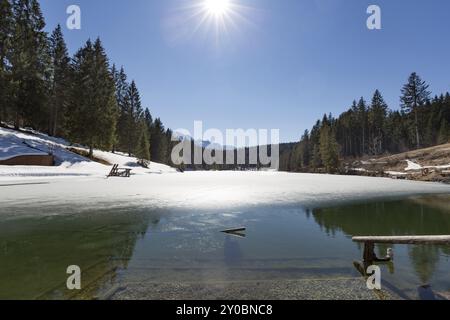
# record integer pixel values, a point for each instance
(283, 65)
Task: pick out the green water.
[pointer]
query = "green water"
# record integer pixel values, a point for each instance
(138, 246)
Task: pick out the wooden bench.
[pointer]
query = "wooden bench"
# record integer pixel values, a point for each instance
(369, 256)
(405, 239)
(119, 172)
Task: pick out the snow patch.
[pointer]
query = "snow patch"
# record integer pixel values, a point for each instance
(413, 166)
(14, 143)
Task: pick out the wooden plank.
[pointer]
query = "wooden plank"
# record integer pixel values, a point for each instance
(234, 230)
(405, 239)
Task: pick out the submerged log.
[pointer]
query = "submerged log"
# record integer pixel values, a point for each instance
(405, 239)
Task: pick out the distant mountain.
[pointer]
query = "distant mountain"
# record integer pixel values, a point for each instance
(202, 143)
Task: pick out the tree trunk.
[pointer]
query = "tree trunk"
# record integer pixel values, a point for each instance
(55, 122)
(417, 128)
(17, 121)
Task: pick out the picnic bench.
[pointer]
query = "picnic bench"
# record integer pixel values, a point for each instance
(119, 172)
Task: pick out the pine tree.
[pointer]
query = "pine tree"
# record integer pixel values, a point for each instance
(121, 84)
(158, 142)
(60, 82)
(6, 29)
(361, 112)
(93, 103)
(304, 150)
(444, 133)
(376, 118)
(133, 116)
(148, 121)
(329, 149)
(316, 161)
(169, 147)
(30, 65)
(316, 156)
(414, 95)
(143, 146)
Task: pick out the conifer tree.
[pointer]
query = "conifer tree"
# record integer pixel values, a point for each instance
(414, 95)
(121, 84)
(376, 118)
(304, 151)
(143, 146)
(329, 149)
(133, 117)
(30, 65)
(444, 136)
(158, 142)
(6, 29)
(60, 82)
(361, 112)
(93, 102)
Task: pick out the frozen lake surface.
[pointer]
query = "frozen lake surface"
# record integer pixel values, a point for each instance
(205, 190)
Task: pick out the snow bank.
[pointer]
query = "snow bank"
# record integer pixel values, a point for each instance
(14, 143)
(413, 166)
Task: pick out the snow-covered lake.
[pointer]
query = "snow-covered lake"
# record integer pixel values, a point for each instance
(205, 190)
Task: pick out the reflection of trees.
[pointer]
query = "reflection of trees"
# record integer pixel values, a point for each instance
(40, 250)
(392, 218)
(425, 260)
(232, 251)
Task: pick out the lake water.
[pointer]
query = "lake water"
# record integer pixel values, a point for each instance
(159, 253)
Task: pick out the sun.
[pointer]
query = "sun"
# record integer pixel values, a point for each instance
(217, 8)
(213, 19)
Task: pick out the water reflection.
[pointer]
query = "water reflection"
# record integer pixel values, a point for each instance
(232, 251)
(419, 216)
(144, 249)
(36, 252)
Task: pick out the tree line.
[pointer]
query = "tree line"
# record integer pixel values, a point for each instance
(372, 129)
(81, 98)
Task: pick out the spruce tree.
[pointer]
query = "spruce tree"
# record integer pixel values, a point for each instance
(60, 82)
(316, 156)
(133, 117)
(121, 84)
(81, 95)
(362, 120)
(158, 142)
(444, 133)
(93, 107)
(6, 29)
(30, 65)
(329, 149)
(304, 151)
(376, 118)
(143, 146)
(414, 95)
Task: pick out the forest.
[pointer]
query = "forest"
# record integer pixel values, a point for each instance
(370, 129)
(82, 98)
